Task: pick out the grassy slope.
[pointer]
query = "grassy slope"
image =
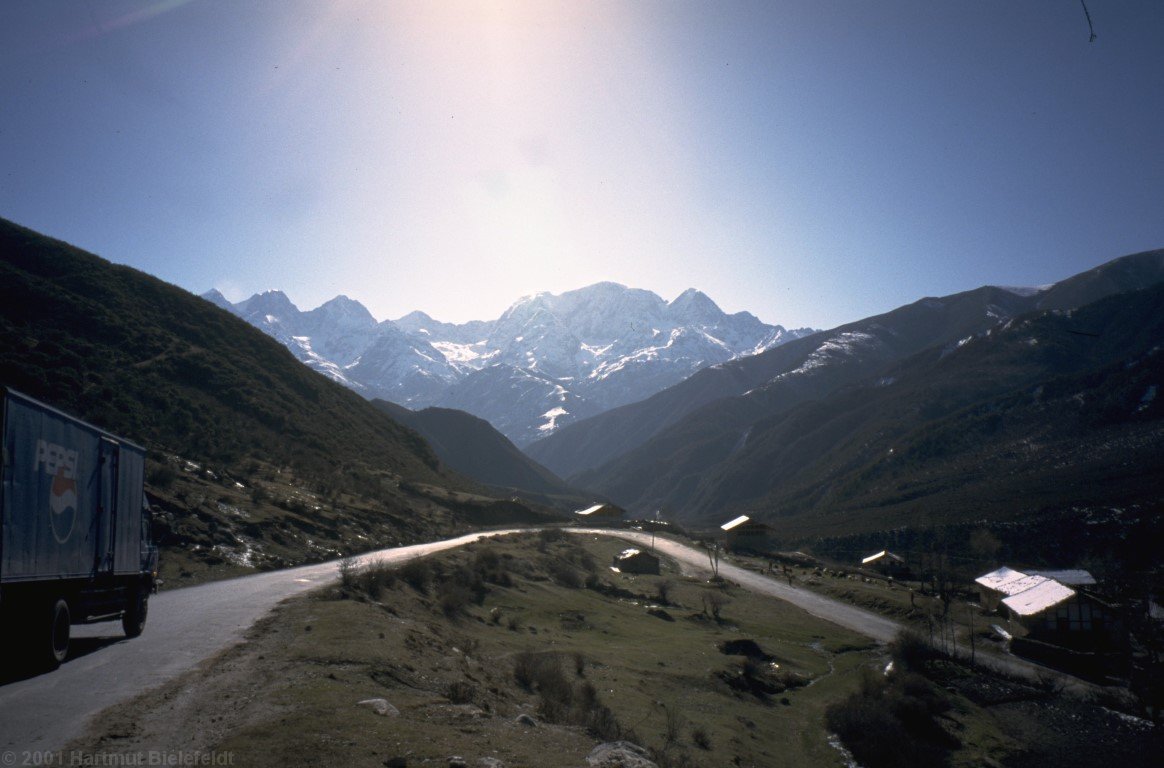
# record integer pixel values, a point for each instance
(320, 655)
(289, 696)
(255, 460)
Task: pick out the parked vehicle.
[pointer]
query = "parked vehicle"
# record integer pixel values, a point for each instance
(75, 542)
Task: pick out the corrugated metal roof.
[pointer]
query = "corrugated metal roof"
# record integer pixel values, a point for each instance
(1075, 577)
(999, 579)
(881, 554)
(1046, 594)
(733, 523)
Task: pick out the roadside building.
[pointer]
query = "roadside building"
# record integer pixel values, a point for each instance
(996, 585)
(1057, 614)
(744, 533)
(1074, 577)
(599, 514)
(636, 561)
(886, 562)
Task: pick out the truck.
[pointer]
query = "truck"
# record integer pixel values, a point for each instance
(75, 545)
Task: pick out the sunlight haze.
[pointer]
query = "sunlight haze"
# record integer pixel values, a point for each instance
(810, 162)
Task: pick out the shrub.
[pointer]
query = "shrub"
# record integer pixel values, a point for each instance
(891, 722)
(417, 573)
(700, 737)
(461, 692)
(348, 571)
(376, 577)
(565, 574)
(663, 591)
(910, 650)
(452, 597)
(162, 476)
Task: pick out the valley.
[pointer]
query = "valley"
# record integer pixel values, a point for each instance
(986, 416)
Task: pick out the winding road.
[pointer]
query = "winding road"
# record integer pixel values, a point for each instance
(187, 626)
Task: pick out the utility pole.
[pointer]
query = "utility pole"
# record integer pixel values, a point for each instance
(972, 608)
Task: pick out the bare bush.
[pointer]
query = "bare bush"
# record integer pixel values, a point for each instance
(461, 692)
(417, 573)
(715, 601)
(673, 722)
(349, 570)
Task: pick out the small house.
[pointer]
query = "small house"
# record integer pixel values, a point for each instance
(636, 561)
(1000, 583)
(744, 533)
(1074, 577)
(886, 562)
(600, 513)
(1055, 613)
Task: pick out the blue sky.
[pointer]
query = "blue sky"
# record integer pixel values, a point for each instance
(812, 162)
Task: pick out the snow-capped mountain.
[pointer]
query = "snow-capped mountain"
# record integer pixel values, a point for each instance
(547, 361)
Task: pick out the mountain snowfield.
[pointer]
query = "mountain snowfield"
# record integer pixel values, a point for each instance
(548, 361)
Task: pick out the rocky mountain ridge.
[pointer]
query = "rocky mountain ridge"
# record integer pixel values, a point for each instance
(547, 361)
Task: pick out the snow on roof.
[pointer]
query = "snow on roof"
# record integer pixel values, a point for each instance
(733, 523)
(590, 510)
(881, 554)
(1075, 577)
(1000, 579)
(628, 553)
(1046, 594)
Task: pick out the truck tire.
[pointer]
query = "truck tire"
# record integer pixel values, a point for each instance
(134, 619)
(58, 626)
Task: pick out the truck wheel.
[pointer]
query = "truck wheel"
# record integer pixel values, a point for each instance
(134, 619)
(58, 626)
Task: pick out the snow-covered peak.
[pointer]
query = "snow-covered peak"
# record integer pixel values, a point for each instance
(215, 297)
(694, 307)
(343, 312)
(272, 302)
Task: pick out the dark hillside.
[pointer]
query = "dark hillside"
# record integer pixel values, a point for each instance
(667, 469)
(147, 359)
(472, 446)
(1032, 417)
(254, 457)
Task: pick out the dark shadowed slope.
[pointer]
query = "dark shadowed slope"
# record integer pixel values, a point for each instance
(474, 448)
(669, 440)
(1036, 415)
(147, 359)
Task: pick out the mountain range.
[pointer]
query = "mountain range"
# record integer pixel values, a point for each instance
(548, 361)
(303, 468)
(805, 428)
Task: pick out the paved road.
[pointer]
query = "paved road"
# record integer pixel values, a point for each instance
(187, 626)
(869, 624)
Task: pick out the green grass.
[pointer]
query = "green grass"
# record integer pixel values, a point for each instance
(661, 680)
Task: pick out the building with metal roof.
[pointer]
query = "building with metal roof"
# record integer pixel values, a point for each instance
(636, 561)
(1042, 594)
(997, 584)
(1074, 577)
(600, 512)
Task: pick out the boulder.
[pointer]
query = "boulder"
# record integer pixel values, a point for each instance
(380, 707)
(619, 754)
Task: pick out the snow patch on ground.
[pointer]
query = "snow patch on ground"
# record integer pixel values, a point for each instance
(552, 417)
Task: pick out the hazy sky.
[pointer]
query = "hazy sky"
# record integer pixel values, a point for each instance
(812, 162)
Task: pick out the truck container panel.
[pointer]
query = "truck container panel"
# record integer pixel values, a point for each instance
(83, 487)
